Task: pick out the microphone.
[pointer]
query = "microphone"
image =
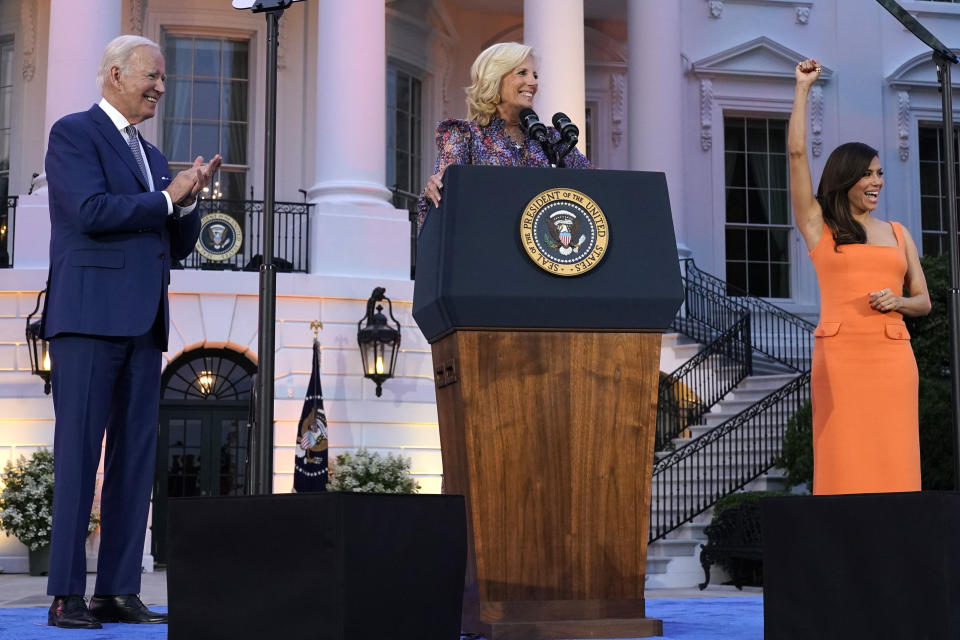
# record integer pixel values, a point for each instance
(568, 130)
(532, 126)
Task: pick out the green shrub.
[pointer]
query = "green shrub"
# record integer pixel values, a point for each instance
(743, 497)
(930, 338)
(796, 454)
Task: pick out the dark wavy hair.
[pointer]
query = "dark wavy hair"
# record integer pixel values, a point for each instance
(844, 168)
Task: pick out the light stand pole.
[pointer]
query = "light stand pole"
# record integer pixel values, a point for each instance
(261, 439)
(943, 57)
(953, 252)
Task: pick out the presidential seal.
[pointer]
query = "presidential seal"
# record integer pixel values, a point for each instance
(220, 237)
(564, 232)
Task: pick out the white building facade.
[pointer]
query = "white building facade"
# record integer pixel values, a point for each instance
(699, 89)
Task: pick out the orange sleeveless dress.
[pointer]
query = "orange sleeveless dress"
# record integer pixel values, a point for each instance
(864, 379)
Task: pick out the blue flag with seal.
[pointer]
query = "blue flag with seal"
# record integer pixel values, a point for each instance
(310, 468)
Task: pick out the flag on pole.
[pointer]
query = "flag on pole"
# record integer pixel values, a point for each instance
(310, 468)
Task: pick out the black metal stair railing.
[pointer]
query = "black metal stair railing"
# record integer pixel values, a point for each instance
(685, 395)
(690, 480)
(784, 338)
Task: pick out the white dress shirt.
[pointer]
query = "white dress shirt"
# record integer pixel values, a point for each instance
(120, 122)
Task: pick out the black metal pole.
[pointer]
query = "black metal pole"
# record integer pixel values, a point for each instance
(953, 252)
(263, 448)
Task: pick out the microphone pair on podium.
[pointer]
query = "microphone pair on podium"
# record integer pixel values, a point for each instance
(569, 134)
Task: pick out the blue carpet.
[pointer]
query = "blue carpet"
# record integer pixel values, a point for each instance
(31, 624)
(739, 618)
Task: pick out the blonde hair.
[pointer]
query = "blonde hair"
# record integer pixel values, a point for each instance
(487, 71)
(117, 54)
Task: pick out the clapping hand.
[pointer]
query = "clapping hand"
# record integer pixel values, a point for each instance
(188, 183)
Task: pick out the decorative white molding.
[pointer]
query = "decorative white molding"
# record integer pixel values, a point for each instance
(28, 23)
(758, 58)
(801, 7)
(903, 123)
(618, 86)
(137, 10)
(816, 119)
(706, 114)
(919, 71)
(921, 9)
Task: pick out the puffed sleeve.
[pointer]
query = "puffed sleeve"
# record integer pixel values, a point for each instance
(453, 147)
(574, 159)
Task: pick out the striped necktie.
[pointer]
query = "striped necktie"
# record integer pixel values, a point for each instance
(134, 145)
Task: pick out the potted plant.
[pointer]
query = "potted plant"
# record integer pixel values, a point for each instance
(26, 506)
(366, 472)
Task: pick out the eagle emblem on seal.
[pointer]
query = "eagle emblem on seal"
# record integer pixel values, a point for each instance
(562, 228)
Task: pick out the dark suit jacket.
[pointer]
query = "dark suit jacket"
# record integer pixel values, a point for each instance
(111, 240)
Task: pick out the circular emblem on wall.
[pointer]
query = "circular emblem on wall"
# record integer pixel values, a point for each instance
(220, 237)
(564, 232)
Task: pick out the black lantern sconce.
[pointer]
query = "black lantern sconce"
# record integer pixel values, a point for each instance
(379, 342)
(38, 348)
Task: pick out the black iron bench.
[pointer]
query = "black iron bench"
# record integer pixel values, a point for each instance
(734, 541)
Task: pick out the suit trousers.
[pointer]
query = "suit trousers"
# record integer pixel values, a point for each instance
(102, 385)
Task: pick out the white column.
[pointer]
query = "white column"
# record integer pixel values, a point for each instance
(355, 230)
(655, 98)
(79, 32)
(554, 28)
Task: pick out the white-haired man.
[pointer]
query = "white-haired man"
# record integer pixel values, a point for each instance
(118, 220)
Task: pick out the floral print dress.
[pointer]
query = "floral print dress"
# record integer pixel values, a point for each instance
(466, 142)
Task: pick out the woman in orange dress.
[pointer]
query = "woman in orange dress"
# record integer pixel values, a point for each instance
(864, 376)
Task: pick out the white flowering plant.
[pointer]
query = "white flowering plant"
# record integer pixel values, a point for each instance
(26, 501)
(366, 472)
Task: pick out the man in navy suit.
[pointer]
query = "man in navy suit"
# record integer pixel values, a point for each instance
(118, 220)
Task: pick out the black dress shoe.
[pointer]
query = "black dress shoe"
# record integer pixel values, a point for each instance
(71, 612)
(126, 608)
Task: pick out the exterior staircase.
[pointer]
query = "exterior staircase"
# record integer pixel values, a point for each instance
(674, 561)
(734, 372)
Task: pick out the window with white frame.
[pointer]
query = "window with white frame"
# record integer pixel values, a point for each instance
(933, 209)
(206, 108)
(758, 225)
(404, 130)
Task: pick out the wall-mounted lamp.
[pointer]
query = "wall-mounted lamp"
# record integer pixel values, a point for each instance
(379, 342)
(38, 348)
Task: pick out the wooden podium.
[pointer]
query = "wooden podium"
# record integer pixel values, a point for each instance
(547, 393)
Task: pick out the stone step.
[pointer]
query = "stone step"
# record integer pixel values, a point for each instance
(670, 340)
(685, 351)
(662, 516)
(673, 548)
(771, 382)
(710, 422)
(690, 531)
(657, 565)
